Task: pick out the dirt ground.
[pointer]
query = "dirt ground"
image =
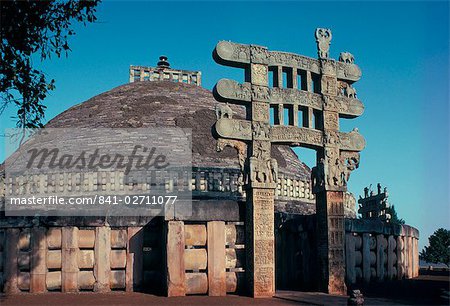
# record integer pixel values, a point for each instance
(423, 290)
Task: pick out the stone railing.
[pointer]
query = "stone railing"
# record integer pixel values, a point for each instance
(205, 258)
(206, 182)
(140, 73)
(227, 182)
(377, 251)
(201, 257)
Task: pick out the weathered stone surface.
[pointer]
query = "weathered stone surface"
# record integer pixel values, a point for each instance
(54, 259)
(25, 239)
(196, 283)
(86, 239)
(23, 281)
(119, 239)
(366, 257)
(117, 279)
(102, 259)
(53, 280)
(129, 283)
(195, 234)
(350, 258)
(69, 255)
(54, 238)
(86, 259)
(176, 285)
(216, 259)
(86, 280)
(38, 260)
(195, 259)
(118, 259)
(10, 270)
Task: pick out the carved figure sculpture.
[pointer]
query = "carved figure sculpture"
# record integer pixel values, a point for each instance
(318, 175)
(323, 39)
(346, 57)
(345, 89)
(223, 111)
(240, 146)
(273, 170)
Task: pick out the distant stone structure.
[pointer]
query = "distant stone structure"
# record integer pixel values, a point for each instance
(163, 72)
(373, 206)
(323, 95)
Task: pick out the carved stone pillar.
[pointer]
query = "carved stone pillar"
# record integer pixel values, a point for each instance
(261, 192)
(260, 252)
(330, 198)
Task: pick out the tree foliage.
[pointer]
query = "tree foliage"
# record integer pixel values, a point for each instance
(394, 217)
(34, 28)
(438, 250)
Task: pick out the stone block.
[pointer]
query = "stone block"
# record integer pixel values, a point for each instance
(11, 256)
(86, 259)
(69, 257)
(38, 260)
(118, 259)
(54, 259)
(25, 239)
(86, 239)
(195, 234)
(23, 281)
(176, 285)
(23, 260)
(86, 280)
(196, 283)
(129, 284)
(231, 281)
(216, 259)
(53, 280)
(366, 257)
(54, 238)
(350, 258)
(119, 239)
(195, 259)
(102, 266)
(117, 279)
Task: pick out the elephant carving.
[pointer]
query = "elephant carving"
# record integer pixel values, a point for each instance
(346, 57)
(224, 111)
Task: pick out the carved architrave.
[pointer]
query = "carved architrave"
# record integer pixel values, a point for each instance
(234, 129)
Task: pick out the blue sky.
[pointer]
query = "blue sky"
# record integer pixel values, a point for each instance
(401, 47)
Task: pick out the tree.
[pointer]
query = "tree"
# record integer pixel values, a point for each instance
(438, 250)
(394, 217)
(31, 28)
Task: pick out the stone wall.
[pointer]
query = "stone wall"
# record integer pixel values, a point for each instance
(205, 258)
(169, 257)
(377, 251)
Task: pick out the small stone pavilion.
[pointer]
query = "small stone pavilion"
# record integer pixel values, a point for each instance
(207, 252)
